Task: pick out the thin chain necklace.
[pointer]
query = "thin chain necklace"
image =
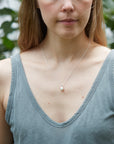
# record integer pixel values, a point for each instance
(62, 85)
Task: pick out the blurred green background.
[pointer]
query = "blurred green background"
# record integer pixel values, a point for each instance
(9, 29)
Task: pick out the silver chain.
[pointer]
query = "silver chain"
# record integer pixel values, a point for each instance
(69, 76)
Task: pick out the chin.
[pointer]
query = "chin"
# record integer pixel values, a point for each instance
(69, 36)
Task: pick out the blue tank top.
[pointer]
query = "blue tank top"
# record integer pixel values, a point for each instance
(93, 123)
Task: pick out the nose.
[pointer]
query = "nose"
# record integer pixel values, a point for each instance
(67, 6)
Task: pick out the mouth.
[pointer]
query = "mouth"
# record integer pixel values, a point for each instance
(68, 22)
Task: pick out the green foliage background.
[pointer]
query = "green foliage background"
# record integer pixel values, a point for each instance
(7, 45)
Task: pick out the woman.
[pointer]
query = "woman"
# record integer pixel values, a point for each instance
(60, 88)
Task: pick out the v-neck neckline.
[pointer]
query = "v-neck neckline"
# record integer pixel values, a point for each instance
(81, 108)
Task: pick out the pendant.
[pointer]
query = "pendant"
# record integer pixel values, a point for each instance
(62, 89)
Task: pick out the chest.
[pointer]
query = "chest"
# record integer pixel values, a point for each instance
(61, 106)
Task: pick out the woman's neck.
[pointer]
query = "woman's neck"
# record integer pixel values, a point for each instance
(61, 50)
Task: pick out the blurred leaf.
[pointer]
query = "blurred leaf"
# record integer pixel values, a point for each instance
(109, 13)
(2, 56)
(112, 45)
(6, 26)
(8, 11)
(8, 43)
(2, 48)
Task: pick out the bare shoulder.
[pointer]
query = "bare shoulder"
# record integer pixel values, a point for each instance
(101, 51)
(103, 48)
(104, 51)
(5, 80)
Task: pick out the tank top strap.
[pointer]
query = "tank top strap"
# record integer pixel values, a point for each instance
(112, 71)
(14, 67)
(112, 63)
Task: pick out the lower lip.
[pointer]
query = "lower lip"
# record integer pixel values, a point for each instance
(68, 23)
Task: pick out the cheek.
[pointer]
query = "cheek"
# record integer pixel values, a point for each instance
(84, 8)
(46, 6)
(46, 9)
(84, 5)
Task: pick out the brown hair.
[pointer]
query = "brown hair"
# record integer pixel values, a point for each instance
(33, 29)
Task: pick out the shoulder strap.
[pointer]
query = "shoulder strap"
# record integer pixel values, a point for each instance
(12, 87)
(112, 74)
(112, 66)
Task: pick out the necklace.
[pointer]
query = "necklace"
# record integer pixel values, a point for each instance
(62, 86)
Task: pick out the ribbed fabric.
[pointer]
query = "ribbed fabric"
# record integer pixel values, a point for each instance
(93, 123)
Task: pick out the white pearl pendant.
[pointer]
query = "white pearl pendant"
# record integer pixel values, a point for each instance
(62, 89)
